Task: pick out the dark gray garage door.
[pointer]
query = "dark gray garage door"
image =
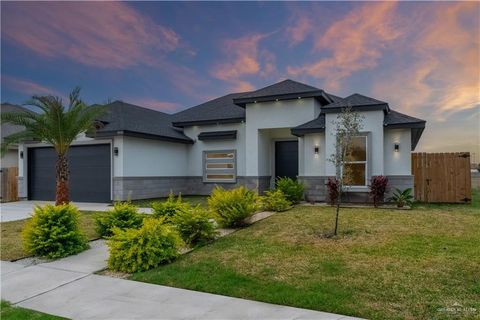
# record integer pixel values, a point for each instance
(90, 173)
(286, 159)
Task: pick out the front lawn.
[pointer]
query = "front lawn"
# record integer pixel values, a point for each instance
(11, 247)
(8, 312)
(386, 264)
(194, 200)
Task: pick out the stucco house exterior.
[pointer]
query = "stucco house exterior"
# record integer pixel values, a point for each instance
(245, 138)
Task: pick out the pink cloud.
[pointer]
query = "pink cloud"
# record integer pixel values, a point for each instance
(301, 28)
(354, 42)
(101, 34)
(244, 58)
(445, 73)
(29, 88)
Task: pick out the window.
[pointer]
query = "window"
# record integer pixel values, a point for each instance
(219, 166)
(355, 167)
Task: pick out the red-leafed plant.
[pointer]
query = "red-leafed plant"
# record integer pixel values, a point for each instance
(378, 187)
(333, 187)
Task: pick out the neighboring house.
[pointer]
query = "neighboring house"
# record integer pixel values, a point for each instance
(246, 139)
(10, 158)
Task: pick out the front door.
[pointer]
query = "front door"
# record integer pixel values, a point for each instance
(286, 159)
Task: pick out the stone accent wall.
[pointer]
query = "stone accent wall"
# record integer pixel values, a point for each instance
(125, 188)
(315, 188)
(401, 182)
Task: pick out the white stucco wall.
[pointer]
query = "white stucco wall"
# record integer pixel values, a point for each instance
(10, 159)
(195, 151)
(272, 115)
(314, 165)
(153, 158)
(397, 163)
(373, 126)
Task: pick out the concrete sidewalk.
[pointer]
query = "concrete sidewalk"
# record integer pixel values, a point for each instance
(68, 288)
(19, 210)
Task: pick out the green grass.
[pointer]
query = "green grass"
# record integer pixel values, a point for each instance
(8, 312)
(11, 247)
(385, 264)
(194, 200)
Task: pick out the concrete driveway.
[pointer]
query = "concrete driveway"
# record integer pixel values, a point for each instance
(20, 210)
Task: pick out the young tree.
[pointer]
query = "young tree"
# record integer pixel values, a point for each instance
(56, 125)
(347, 126)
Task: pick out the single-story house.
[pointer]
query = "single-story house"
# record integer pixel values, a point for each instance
(248, 138)
(10, 158)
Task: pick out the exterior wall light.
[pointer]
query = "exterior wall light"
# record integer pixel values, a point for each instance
(396, 147)
(316, 150)
(115, 151)
(21, 154)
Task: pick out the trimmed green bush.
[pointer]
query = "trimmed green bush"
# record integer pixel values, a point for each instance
(134, 250)
(292, 189)
(275, 201)
(53, 232)
(233, 206)
(196, 226)
(169, 207)
(124, 215)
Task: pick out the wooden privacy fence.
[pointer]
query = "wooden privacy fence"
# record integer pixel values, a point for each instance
(9, 184)
(442, 177)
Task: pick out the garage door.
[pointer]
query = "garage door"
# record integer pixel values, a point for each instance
(90, 173)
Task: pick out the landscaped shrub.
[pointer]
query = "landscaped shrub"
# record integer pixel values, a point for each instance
(54, 232)
(292, 189)
(196, 226)
(124, 215)
(233, 206)
(133, 250)
(402, 198)
(275, 201)
(378, 187)
(333, 190)
(169, 207)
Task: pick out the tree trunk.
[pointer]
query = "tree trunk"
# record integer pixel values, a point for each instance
(62, 174)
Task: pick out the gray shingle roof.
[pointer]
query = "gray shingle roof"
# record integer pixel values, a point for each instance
(394, 118)
(139, 121)
(356, 101)
(8, 128)
(316, 125)
(283, 90)
(221, 109)
(283, 87)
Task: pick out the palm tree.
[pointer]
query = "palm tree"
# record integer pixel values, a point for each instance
(57, 125)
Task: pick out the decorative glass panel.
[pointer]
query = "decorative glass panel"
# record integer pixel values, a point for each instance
(354, 174)
(219, 165)
(220, 176)
(215, 155)
(358, 149)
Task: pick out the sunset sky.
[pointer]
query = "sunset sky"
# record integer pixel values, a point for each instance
(423, 58)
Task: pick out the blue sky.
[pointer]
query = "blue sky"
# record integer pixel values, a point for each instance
(422, 58)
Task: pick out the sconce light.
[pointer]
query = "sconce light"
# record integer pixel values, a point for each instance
(316, 150)
(396, 147)
(21, 154)
(115, 151)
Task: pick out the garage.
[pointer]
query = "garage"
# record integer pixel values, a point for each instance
(90, 173)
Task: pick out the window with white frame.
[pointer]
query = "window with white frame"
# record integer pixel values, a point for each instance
(219, 166)
(355, 165)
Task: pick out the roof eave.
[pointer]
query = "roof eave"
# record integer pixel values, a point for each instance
(372, 107)
(300, 132)
(242, 102)
(182, 124)
(108, 134)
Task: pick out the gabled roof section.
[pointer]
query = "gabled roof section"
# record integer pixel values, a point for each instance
(358, 102)
(316, 125)
(219, 110)
(8, 128)
(394, 120)
(283, 90)
(123, 118)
